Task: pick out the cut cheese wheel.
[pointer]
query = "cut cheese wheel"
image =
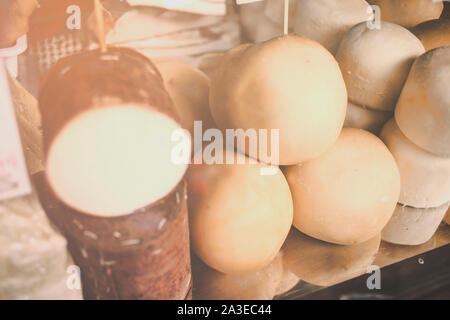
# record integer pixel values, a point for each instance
(257, 27)
(423, 109)
(375, 63)
(325, 264)
(413, 226)
(210, 284)
(365, 118)
(408, 13)
(326, 21)
(290, 84)
(109, 133)
(425, 177)
(114, 160)
(434, 33)
(239, 218)
(189, 90)
(347, 195)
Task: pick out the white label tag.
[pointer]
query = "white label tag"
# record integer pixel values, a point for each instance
(14, 180)
(206, 7)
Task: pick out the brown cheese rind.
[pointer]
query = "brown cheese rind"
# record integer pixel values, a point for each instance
(140, 255)
(144, 255)
(94, 80)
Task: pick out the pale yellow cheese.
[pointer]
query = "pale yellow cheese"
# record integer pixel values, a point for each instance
(290, 84)
(347, 195)
(239, 218)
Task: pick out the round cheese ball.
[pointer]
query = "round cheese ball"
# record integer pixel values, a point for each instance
(239, 218)
(189, 90)
(434, 33)
(408, 13)
(425, 177)
(375, 63)
(423, 109)
(365, 118)
(347, 195)
(290, 83)
(413, 226)
(326, 21)
(325, 264)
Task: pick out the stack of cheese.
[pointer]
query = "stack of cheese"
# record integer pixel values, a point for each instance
(375, 64)
(236, 189)
(240, 218)
(33, 256)
(419, 139)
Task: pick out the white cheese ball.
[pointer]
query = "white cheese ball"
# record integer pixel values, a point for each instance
(325, 264)
(423, 109)
(239, 218)
(375, 63)
(347, 195)
(413, 226)
(425, 177)
(365, 118)
(326, 21)
(408, 13)
(290, 83)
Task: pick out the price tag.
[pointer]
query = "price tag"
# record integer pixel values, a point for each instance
(14, 180)
(206, 7)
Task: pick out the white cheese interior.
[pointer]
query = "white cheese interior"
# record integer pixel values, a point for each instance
(112, 161)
